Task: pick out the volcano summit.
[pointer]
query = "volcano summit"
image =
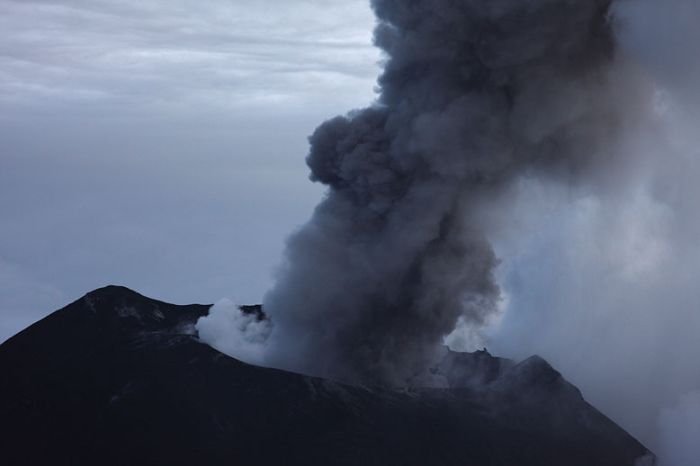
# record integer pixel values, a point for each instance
(116, 378)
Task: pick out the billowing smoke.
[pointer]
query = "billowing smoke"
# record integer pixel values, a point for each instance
(527, 179)
(475, 95)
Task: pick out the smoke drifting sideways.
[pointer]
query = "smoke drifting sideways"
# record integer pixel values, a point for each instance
(474, 95)
(601, 279)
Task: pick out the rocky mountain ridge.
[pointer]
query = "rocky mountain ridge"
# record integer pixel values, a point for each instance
(116, 378)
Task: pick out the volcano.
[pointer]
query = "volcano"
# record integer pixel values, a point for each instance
(116, 378)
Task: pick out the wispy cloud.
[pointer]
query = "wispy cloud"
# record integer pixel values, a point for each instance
(248, 53)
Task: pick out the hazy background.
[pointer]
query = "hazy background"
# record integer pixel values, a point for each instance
(161, 144)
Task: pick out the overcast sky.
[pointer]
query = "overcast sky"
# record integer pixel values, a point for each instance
(161, 144)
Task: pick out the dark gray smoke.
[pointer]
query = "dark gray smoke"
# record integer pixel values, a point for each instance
(475, 94)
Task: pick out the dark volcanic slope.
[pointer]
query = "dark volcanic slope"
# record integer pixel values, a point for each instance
(119, 379)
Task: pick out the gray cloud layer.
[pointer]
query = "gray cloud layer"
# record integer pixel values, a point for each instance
(160, 145)
(209, 53)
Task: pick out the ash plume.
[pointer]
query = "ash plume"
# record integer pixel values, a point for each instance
(474, 95)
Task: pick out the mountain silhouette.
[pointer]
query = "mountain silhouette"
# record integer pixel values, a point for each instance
(116, 378)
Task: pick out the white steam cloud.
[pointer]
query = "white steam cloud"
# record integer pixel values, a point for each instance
(236, 333)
